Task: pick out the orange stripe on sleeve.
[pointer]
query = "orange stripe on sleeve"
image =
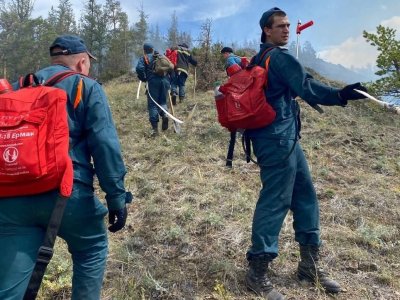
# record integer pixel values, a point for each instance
(78, 96)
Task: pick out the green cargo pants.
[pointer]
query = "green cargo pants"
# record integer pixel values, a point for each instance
(286, 185)
(23, 221)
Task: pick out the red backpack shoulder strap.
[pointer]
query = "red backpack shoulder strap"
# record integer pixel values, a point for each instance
(262, 56)
(266, 65)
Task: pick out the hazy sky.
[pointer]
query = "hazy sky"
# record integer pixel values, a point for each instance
(336, 34)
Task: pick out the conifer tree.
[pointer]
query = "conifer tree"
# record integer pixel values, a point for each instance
(173, 33)
(140, 32)
(23, 40)
(94, 32)
(388, 61)
(62, 19)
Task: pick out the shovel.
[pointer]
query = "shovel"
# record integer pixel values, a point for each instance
(177, 126)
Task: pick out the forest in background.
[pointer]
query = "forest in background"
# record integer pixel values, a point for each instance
(117, 42)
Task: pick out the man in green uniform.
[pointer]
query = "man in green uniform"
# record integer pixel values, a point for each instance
(284, 172)
(94, 150)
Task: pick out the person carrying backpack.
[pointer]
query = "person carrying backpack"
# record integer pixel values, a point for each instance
(286, 179)
(94, 149)
(157, 88)
(232, 66)
(181, 72)
(232, 61)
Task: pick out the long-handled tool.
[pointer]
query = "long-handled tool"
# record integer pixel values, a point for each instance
(177, 126)
(138, 90)
(386, 105)
(176, 120)
(194, 84)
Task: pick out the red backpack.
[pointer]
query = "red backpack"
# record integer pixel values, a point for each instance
(244, 62)
(243, 104)
(34, 139)
(172, 55)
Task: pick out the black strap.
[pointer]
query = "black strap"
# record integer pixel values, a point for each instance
(45, 252)
(60, 76)
(231, 148)
(246, 142)
(29, 80)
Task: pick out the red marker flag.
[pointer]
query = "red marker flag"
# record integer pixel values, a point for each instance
(304, 26)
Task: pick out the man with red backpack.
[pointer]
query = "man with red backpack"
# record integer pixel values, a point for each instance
(181, 72)
(286, 179)
(94, 149)
(233, 63)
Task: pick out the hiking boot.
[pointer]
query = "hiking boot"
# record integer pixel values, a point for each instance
(257, 279)
(309, 270)
(164, 124)
(173, 99)
(154, 130)
(181, 98)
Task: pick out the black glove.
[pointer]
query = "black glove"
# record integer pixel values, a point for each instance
(117, 218)
(348, 92)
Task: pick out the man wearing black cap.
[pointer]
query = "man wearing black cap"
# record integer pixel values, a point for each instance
(232, 62)
(157, 88)
(94, 150)
(286, 179)
(181, 72)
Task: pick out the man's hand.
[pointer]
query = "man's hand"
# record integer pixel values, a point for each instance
(117, 219)
(348, 92)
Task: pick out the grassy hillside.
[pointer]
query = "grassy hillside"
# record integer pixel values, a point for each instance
(189, 227)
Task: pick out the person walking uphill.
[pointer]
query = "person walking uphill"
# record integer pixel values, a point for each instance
(181, 72)
(232, 62)
(284, 172)
(157, 88)
(94, 150)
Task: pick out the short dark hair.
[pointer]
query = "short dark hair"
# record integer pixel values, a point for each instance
(227, 50)
(270, 20)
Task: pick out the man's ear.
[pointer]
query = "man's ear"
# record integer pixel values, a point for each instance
(80, 65)
(267, 31)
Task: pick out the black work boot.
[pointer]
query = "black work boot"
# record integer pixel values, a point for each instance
(154, 130)
(181, 98)
(257, 279)
(164, 123)
(309, 270)
(173, 98)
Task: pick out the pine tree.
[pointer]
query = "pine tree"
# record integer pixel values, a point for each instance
(173, 33)
(140, 31)
(388, 61)
(186, 38)
(118, 58)
(23, 40)
(94, 32)
(62, 19)
(156, 38)
(208, 57)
